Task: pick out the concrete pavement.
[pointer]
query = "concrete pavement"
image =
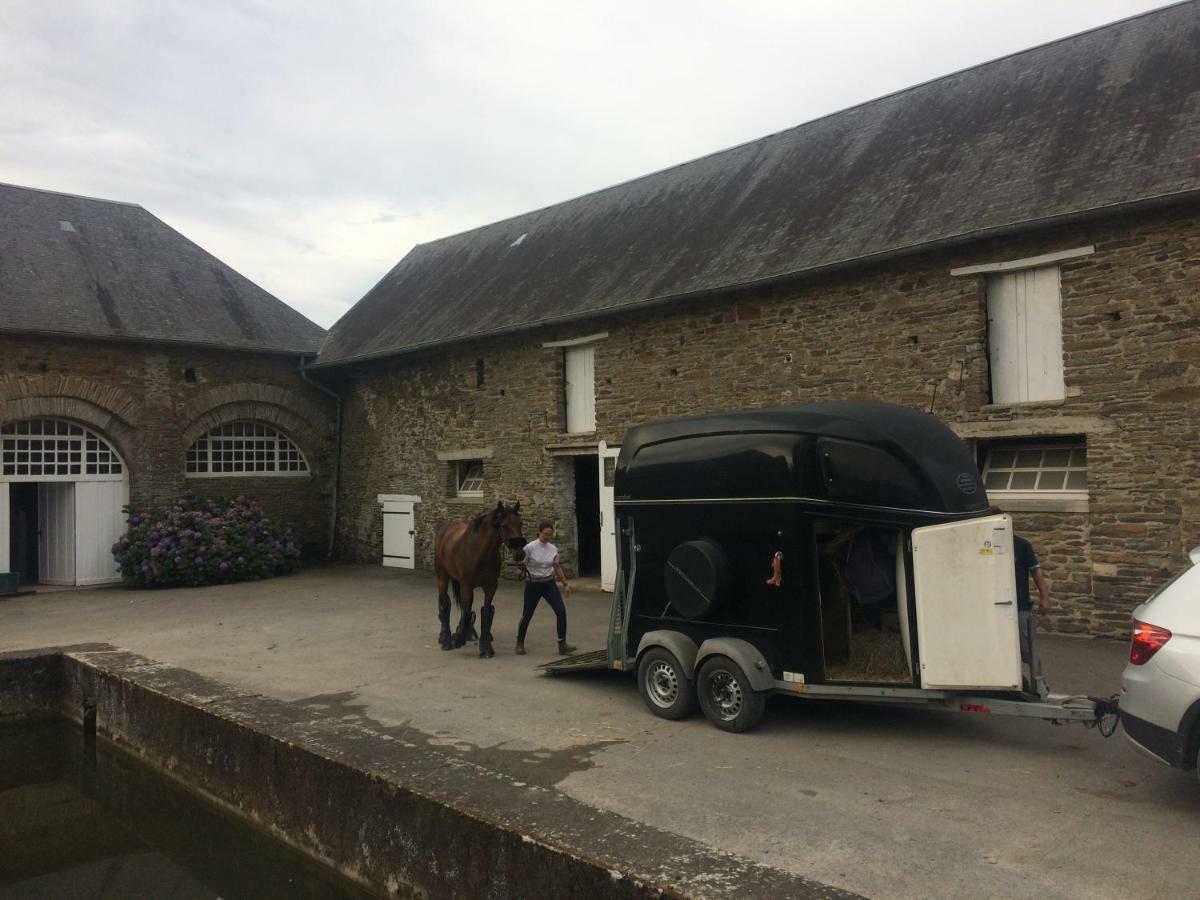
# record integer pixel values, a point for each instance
(885, 802)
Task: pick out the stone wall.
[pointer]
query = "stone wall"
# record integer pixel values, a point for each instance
(905, 331)
(152, 401)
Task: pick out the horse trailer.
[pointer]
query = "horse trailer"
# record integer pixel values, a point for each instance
(840, 550)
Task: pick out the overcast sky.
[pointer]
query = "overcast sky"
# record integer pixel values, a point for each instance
(310, 146)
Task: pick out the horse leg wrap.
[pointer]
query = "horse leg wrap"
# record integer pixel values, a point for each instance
(472, 634)
(485, 635)
(464, 627)
(444, 639)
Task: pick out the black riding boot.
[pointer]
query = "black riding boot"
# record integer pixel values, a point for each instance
(444, 639)
(485, 633)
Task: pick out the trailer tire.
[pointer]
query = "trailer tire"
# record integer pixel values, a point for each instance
(726, 697)
(664, 685)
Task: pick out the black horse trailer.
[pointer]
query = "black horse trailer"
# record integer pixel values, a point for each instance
(831, 550)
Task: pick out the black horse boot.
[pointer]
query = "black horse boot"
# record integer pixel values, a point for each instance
(564, 648)
(472, 634)
(485, 635)
(444, 639)
(464, 627)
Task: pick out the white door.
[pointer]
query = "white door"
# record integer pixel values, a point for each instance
(580, 372)
(56, 532)
(5, 520)
(1025, 336)
(399, 530)
(99, 523)
(966, 589)
(608, 517)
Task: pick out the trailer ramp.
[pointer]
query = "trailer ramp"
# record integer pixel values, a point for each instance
(580, 662)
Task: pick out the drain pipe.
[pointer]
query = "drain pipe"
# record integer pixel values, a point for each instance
(337, 454)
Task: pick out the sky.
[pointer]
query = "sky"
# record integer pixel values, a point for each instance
(312, 145)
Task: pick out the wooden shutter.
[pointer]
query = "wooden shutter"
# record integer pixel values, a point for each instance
(1025, 336)
(580, 365)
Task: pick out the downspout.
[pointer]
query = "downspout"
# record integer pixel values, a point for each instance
(337, 454)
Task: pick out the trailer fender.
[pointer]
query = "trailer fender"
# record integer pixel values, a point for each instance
(682, 646)
(745, 655)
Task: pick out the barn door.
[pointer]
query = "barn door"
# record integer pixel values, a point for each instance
(1025, 336)
(608, 516)
(56, 532)
(966, 599)
(5, 522)
(99, 523)
(399, 530)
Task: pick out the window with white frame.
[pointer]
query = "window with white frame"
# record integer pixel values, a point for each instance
(1036, 470)
(468, 478)
(244, 448)
(54, 450)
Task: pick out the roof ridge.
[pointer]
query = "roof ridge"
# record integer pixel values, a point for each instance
(774, 134)
(25, 187)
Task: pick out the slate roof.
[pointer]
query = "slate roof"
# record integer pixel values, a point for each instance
(1096, 121)
(101, 269)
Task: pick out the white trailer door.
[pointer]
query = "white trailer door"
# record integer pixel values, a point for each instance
(56, 532)
(608, 517)
(99, 523)
(966, 603)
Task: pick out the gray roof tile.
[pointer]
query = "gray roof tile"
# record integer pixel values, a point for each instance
(101, 269)
(1099, 120)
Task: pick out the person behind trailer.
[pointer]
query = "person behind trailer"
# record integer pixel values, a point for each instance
(1027, 566)
(542, 567)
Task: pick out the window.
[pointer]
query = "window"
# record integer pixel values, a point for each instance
(579, 374)
(1053, 469)
(54, 450)
(468, 478)
(244, 448)
(1025, 347)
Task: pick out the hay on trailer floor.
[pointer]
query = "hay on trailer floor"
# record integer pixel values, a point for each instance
(875, 656)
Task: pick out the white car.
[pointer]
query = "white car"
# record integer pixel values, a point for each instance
(1160, 705)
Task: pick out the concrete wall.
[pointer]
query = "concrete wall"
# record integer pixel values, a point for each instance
(905, 332)
(138, 396)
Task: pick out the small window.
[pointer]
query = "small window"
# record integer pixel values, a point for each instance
(1059, 468)
(468, 480)
(241, 449)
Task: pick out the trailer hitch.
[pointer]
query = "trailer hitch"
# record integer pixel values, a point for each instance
(1108, 714)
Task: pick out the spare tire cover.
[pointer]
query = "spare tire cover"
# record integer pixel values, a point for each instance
(697, 578)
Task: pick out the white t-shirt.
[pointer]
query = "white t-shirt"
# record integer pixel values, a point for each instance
(540, 560)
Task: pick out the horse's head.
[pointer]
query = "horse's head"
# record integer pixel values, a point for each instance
(507, 520)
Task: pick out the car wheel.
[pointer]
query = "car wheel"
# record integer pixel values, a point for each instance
(726, 697)
(667, 690)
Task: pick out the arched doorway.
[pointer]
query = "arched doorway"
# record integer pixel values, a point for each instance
(62, 487)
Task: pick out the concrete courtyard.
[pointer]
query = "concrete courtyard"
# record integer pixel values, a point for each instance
(884, 802)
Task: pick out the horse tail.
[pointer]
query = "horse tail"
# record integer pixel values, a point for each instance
(456, 590)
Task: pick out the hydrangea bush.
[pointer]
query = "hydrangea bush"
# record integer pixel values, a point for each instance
(200, 541)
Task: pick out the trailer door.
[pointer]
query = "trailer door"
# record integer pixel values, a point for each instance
(966, 602)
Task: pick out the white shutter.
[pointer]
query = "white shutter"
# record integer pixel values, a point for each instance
(5, 519)
(1025, 336)
(580, 365)
(56, 527)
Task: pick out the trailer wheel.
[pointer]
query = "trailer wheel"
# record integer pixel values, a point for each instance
(726, 697)
(668, 692)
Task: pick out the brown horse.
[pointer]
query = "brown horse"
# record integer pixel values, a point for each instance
(466, 556)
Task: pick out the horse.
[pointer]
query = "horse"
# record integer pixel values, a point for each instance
(465, 556)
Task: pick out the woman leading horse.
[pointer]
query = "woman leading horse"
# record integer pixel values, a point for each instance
(466, 555)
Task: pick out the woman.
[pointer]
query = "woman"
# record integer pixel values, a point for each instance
(542, 567)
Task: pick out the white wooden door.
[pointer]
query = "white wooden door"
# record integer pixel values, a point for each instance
(580, 374)
(966, 601)
(608, 516)
(399, 530)
(1025, 336)
(56, 532)
(5, 523)
(99, 523)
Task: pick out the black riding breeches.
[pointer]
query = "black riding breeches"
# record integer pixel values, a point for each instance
(535, 591)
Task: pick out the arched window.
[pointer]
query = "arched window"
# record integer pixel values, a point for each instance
(54, 450)
(244, 448)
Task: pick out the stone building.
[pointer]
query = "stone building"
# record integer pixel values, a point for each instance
(135, 367)
(1014, 247)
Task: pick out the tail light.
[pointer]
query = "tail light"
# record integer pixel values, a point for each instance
(1147, 639)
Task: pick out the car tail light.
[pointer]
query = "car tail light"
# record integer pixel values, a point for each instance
(1147, 639)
